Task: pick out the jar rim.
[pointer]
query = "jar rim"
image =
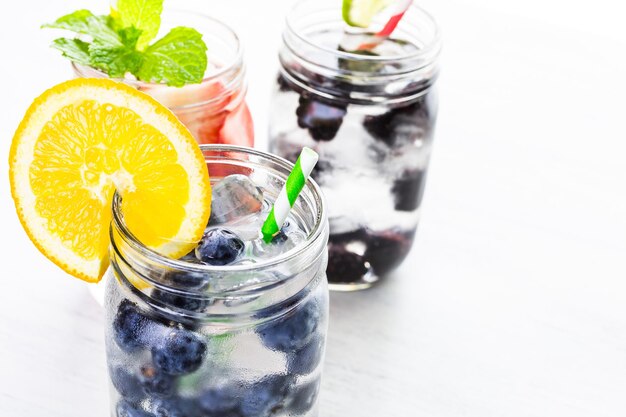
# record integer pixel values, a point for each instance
(317, 231)
(433, 47)
(210, 76)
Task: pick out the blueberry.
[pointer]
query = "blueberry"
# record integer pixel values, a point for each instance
(219, 247)
(345, 266)
(131, 328)
(303, 398)
(266, 396)
(186, 302)
(292, 331)
(221, 401)
(408, 190)
(155, 382)
(400, 126)
(127, 384)
(283, 84)
(181, 352)
(322, 120)
(304, 361)
(185, 279)
(386, 250)
(124, 409)
(176, 407)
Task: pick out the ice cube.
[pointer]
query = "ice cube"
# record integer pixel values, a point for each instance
(234, 197)
(288, 238)
(248, 227)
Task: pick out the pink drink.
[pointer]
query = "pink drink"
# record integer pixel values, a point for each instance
(215, 110)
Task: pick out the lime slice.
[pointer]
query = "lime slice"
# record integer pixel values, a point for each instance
(359, 13)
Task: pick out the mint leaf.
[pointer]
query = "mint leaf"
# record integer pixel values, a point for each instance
(130, 36)
(117, 61)
(144, 15)
(86, 23)
(74, 49)
(177, 59)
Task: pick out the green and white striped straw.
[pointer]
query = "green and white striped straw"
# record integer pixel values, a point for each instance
(288, 195)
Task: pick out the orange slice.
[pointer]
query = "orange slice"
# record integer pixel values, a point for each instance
(84, 139)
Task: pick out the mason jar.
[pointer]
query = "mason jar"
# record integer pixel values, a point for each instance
(215, 110)
(369, 112)
(189, 339)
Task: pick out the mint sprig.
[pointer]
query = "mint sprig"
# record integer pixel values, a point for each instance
(117, 44)
(174, 57)
(144, 15)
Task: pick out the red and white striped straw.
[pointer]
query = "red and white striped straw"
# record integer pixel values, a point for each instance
(400, 8)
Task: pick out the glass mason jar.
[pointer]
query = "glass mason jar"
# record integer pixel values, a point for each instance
(188, 339)
(370, 115)
(214, 110)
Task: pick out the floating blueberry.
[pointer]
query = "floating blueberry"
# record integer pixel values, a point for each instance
(219, 247)
(322, 120)
(400, 126)
(292, 331)
(386, 250)
(303, 398)
(304, 361)
(155, 382)
(266, 396)
(131, 328)
(126, 384)
(343, 265)
(125, 409)
(181, 352)
(408, 190)
(186, 302)
(221, 401)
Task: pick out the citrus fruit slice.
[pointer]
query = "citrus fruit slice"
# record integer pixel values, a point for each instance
(360, 13)
(84, 139)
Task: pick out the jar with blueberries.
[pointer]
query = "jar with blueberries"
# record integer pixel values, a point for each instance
(368, 107)
(232, 329)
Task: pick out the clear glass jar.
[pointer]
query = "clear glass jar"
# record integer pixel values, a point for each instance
(214, 110)
(187, 339)
(370, 116)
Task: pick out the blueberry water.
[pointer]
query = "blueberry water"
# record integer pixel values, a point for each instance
(370, 115)
(229, 340)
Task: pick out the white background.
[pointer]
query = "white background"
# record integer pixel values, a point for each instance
(513, 300)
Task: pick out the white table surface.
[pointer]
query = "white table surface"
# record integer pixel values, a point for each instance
(513, 300)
